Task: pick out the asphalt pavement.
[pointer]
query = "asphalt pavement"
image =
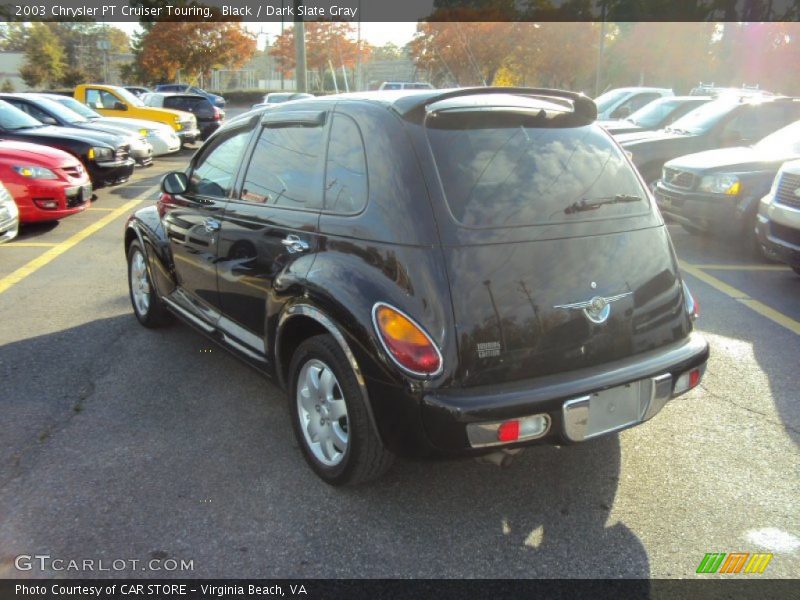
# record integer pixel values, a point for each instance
(119, 443)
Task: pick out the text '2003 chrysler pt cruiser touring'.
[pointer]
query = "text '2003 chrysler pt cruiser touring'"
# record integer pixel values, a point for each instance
(460, 272)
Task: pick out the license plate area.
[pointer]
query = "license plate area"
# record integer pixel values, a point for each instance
(605, 411)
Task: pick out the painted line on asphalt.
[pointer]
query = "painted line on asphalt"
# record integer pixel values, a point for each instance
(40, 261)
(100, 208)
(738, 295)
(743, 267)
(29, 245)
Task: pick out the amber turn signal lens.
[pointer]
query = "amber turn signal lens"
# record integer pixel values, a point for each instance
(408, 345)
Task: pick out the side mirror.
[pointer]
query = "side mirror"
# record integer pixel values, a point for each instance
(48, 120)
(120, 106)
(174, 183)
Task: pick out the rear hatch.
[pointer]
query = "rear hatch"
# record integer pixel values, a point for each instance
(556, 257)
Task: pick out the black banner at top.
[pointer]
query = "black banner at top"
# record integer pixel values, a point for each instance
(398, 11)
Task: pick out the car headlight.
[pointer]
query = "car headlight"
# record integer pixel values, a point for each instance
(96, 153)
(33, 172)
(721, 184)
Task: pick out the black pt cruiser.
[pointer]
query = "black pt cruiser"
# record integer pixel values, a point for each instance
(438, 272)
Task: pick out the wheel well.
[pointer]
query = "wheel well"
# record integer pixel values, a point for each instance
(294, 332)
(130, 235)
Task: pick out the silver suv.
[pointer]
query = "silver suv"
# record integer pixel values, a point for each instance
(778, 222)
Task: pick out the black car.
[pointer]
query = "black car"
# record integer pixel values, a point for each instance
(48, 111)
(655, 115)
(459, 273)
(718, 124)
(719, 190)
(209, 117)
(106, 157)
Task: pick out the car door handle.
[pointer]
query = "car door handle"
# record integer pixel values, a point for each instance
(294, 244)
(211, 225)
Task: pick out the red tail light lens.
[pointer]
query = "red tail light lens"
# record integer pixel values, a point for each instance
(508, 431)
(217, 114)
(405, 341)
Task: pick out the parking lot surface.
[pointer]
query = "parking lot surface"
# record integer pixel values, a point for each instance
(118, 442)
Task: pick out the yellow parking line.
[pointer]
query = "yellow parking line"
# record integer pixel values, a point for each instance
(56, 251)
(100, 208)
(29, 245)
(743, 267)
(738, 295)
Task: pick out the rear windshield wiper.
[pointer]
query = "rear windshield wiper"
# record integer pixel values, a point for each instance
(583, 204)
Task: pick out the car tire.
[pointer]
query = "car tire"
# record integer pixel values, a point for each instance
(330, 418)
(147, 306)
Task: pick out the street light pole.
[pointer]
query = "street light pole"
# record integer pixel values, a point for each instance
(300, 48)
(602, 49)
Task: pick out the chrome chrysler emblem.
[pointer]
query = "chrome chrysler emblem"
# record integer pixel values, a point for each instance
(596, 309)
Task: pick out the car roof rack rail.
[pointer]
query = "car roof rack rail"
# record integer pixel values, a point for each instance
(583, 107)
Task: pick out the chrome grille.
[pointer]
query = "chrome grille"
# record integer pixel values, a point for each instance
(788, 192)
(677, 178)
(122, 152)
(75, 171)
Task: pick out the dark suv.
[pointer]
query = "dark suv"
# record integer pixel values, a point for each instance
(718, 124)
(461, 272)
(208, 116)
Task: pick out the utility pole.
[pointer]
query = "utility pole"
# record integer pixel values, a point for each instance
(358, 56)
(299, 49)
(602, 49)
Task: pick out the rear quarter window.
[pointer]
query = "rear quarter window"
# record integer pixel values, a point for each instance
(503, 169)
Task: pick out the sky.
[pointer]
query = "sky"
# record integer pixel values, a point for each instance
(376, 34)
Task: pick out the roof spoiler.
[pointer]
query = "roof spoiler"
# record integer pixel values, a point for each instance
(583, 108)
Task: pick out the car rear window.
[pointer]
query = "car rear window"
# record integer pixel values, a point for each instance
(505, 169)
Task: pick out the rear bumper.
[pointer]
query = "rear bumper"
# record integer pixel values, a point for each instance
(710, 212)
(446, 414)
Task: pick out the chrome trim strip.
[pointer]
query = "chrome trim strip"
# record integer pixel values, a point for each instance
(242, 334)
(588, 303)
(186, 314)
(576, 418)
(660, 393)
(438, 371)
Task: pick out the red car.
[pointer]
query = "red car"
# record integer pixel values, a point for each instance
(47, 184)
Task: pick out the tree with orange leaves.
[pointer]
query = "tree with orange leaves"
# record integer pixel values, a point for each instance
(193, 47)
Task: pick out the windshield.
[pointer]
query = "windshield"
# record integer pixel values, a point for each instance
(128, 97)
(654, 113)
(77, 107)
(704, 117)
(502, 169)
(604, 101)
(61, 111)
(12, 118)
(785, 141)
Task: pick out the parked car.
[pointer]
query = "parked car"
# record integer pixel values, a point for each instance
(620, 103)
(161, 137)
(778, 223)
(47, 184)
(138, 90)
(655, 115)
(719, 190)
(718, 124)
(9, 216)
(405, 85)
(50, 112)
(185, 88)
(115, 101)
(208, 116)
(709, 89)
(280, 97)
(106, 157)
(496, 275)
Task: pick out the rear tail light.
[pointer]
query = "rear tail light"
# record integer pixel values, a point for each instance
(688, 380)
(690, 303)
(217, 113)
(495, 433)
(406, 342)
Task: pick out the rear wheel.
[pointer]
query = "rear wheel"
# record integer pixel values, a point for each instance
(330, 417)
(147, 306)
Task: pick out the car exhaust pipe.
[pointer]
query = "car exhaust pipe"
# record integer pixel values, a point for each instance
(500, 458)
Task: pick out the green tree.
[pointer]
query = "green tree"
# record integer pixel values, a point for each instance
(44, 57)
(7, 86)
(13, 37)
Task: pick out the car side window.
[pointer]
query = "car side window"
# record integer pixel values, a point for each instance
(285, 169)
(753, 123)
(214, 172)
(107, 99)
(636, 102)
(93, 98)
(346, 168)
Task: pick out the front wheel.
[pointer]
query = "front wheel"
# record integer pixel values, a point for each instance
(330, 417)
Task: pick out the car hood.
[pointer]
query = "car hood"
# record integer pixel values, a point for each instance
(134, 124)
(51, 132)
(739, 159)
(36, 154)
